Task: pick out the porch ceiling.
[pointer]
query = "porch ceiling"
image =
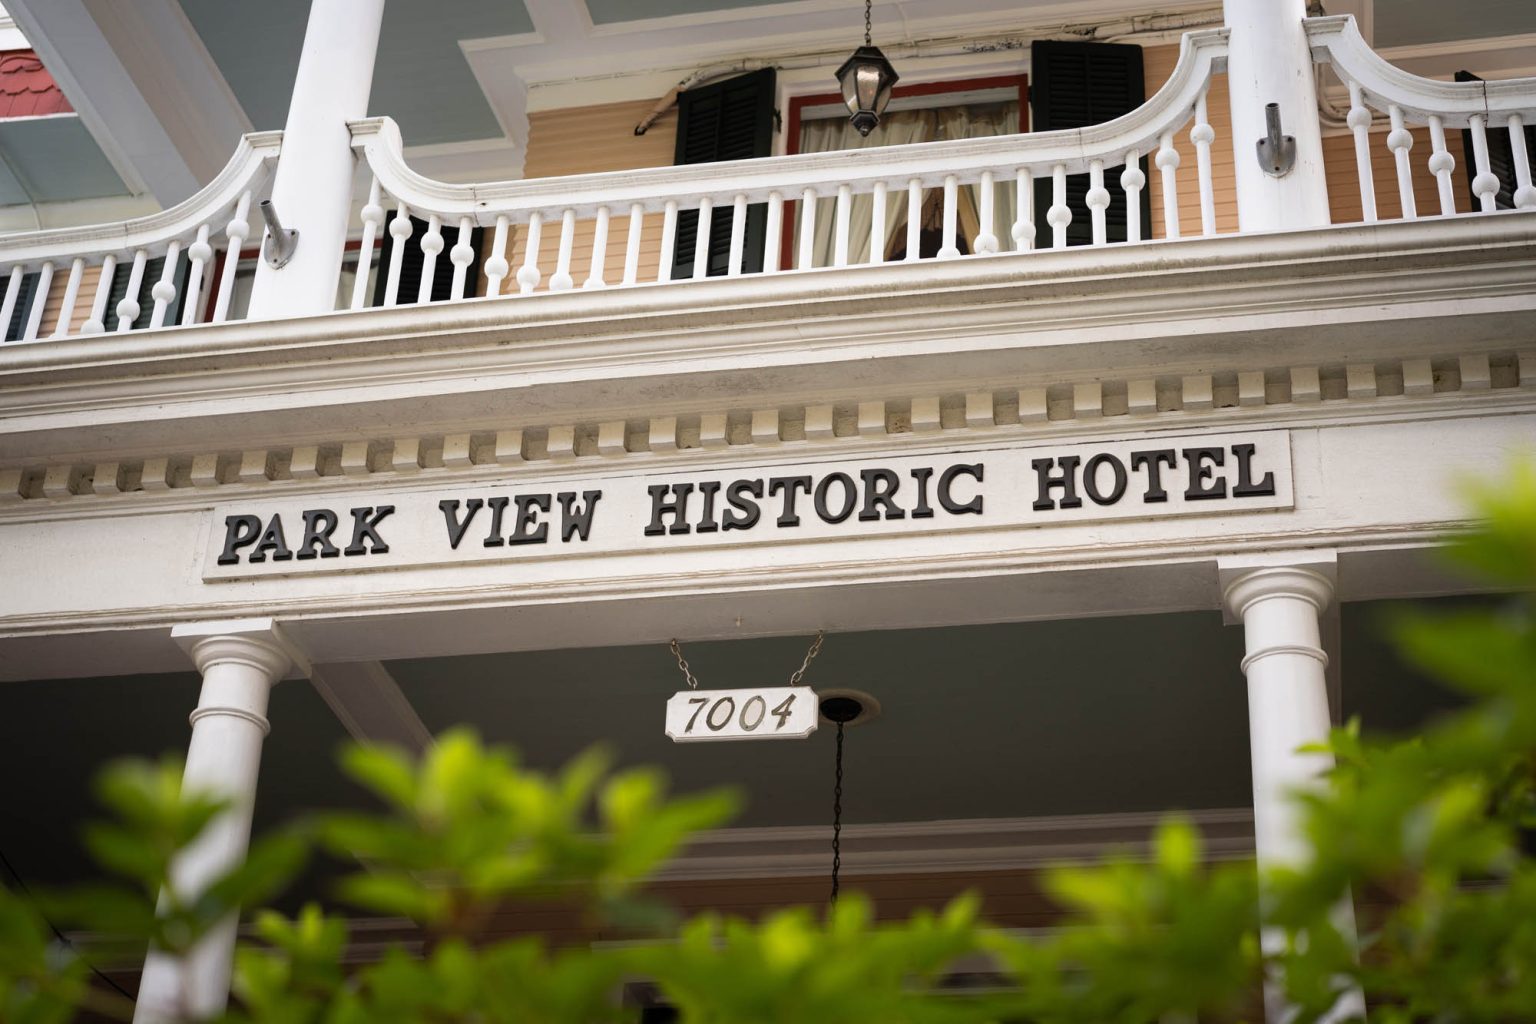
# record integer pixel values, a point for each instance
(1107, 715)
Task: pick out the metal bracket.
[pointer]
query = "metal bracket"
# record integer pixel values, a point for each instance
(277, 250)
(1277, 152)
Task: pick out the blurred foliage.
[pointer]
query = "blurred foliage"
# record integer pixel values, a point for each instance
(1434, 830)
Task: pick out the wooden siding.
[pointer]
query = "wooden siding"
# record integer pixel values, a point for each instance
(1158, 63)
(582, 140)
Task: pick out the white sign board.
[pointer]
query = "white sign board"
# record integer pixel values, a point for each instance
(990, 488)
(761, 713)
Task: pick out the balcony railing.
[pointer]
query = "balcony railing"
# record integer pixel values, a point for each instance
(193, 242)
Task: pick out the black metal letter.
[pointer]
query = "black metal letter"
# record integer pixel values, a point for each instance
(450, 509)
(318, 524)
(1245, 487)
(677, 508)
(1154, 460)
(365, 528)
(1067, 481)
(1091, 479)
(1200, 473)
(850, 494)
(789, 485)
(879, 487)
(239, 532)
(576, 521)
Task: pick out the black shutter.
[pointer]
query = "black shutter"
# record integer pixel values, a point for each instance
(25, 293)
(1501, 157)
(413, 260)
(730, 120)
(1073, 85)
(153, 268)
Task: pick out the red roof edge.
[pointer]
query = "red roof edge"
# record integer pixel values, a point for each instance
(26, 87)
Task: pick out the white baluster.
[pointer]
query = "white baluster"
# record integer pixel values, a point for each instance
(39, 300)
(164, 291)
(497, 267)
(1060, 214)
(8, 307)
(1168, 170)
(235, 231)
(1024, 210)
(632, 243)
(599, 263)
(1400, 141)
(1097, 200)
(71, 296)
(914, 220)
(96, 323)
(199, 253)
(738, 235)
(461, 256)
(986, 238)
(1485, 185)
(949, 249)
(1441, 164)
(399, 230)
(1525, 193)
(1202, 134)
(668, 240)
(431, 245)
(877, 223)
(773, 236)
(807, 229)
(373, 219)
(528, 274)
(1132, 181)
(701, 238)
(840, 232)
(1359, 121)
(128, 305)
(562, 280)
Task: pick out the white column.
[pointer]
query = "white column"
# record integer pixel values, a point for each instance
(1269, 61)
(313, 188)
(240, 661)
(1280, 604)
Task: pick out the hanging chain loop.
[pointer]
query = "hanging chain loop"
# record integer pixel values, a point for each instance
(794, 678)
(810, 655)
(677, 652)
(867, 22)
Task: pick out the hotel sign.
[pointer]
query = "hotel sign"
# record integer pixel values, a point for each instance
(984, 488)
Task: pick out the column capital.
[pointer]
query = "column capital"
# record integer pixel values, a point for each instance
(258, 643)
(1244, 579)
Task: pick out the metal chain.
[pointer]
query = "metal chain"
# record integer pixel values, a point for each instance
(810, 655)
(677, 652)
(866, 22)
(837, 814)
(794, 678)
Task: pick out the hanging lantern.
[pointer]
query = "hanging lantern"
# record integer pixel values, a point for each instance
(867, 79)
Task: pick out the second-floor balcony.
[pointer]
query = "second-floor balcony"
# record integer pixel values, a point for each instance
(1146, 182)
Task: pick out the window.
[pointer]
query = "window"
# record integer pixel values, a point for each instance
(729, 120)
(1075, 85)
(933, 112)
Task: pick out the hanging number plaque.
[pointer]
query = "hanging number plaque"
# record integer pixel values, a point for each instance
(762, 713)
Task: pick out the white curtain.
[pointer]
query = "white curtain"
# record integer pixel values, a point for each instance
(907, 126)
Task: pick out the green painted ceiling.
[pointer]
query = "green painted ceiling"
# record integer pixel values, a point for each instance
(606, 12)
(1408, 22)
(420, 77)
(53, 159)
